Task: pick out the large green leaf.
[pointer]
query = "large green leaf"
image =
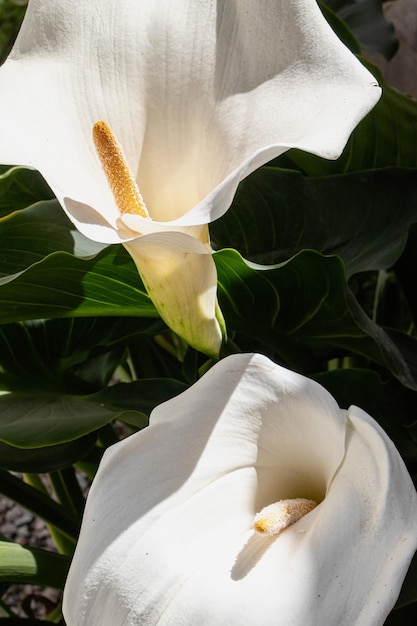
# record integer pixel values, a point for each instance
(298, 308)
(19, 564)
(140, 395)
(363, 217)
(33, 420)
(20, 187)
(48, 269)
(63, 285)
(75, 355)
(47, 458)
(28, 235)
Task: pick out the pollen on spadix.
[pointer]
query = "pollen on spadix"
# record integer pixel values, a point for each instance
(274, 518)
(121, 181)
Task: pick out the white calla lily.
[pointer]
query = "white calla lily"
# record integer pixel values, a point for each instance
(199, 93)
(167, 536)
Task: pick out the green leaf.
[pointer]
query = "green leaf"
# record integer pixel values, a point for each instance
(363, 217)
(30, 420)
(21, 187)
(36, 420)
(68, 355)
(62, 285)
(32, 565)
(140, 395)
(301, 307)
(47, 458)
(47, 269)
(30, 234)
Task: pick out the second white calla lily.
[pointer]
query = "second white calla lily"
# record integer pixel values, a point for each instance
(175, 530)
(198, 93)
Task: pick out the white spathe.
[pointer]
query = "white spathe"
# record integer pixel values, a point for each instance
(199, 94)
(167, 534)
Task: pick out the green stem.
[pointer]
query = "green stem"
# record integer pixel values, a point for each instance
(379, 294)
(32, 566)
(55, 616)
(39, 503)
(67, 490)
(65, 544)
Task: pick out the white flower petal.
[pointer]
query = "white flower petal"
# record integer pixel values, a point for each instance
(371, 502)
(167, 534)
(180, 277)
(199, 93)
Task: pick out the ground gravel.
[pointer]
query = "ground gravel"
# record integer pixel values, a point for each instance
(24, 528)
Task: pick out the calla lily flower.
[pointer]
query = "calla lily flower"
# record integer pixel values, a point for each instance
(251, 498)
(198, 94)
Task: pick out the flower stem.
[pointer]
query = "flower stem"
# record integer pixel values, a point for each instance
(40, 503)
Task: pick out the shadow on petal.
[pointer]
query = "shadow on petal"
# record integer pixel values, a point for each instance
(250, 555)
(90, 222)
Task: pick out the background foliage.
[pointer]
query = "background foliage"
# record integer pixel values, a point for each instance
(331, 292)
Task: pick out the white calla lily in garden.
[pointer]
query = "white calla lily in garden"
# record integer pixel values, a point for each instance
(176, 530)
(198, 94)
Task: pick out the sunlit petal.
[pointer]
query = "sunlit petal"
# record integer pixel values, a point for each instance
(180, 277)
(199, 94)
(196, 94)
(176, 543)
